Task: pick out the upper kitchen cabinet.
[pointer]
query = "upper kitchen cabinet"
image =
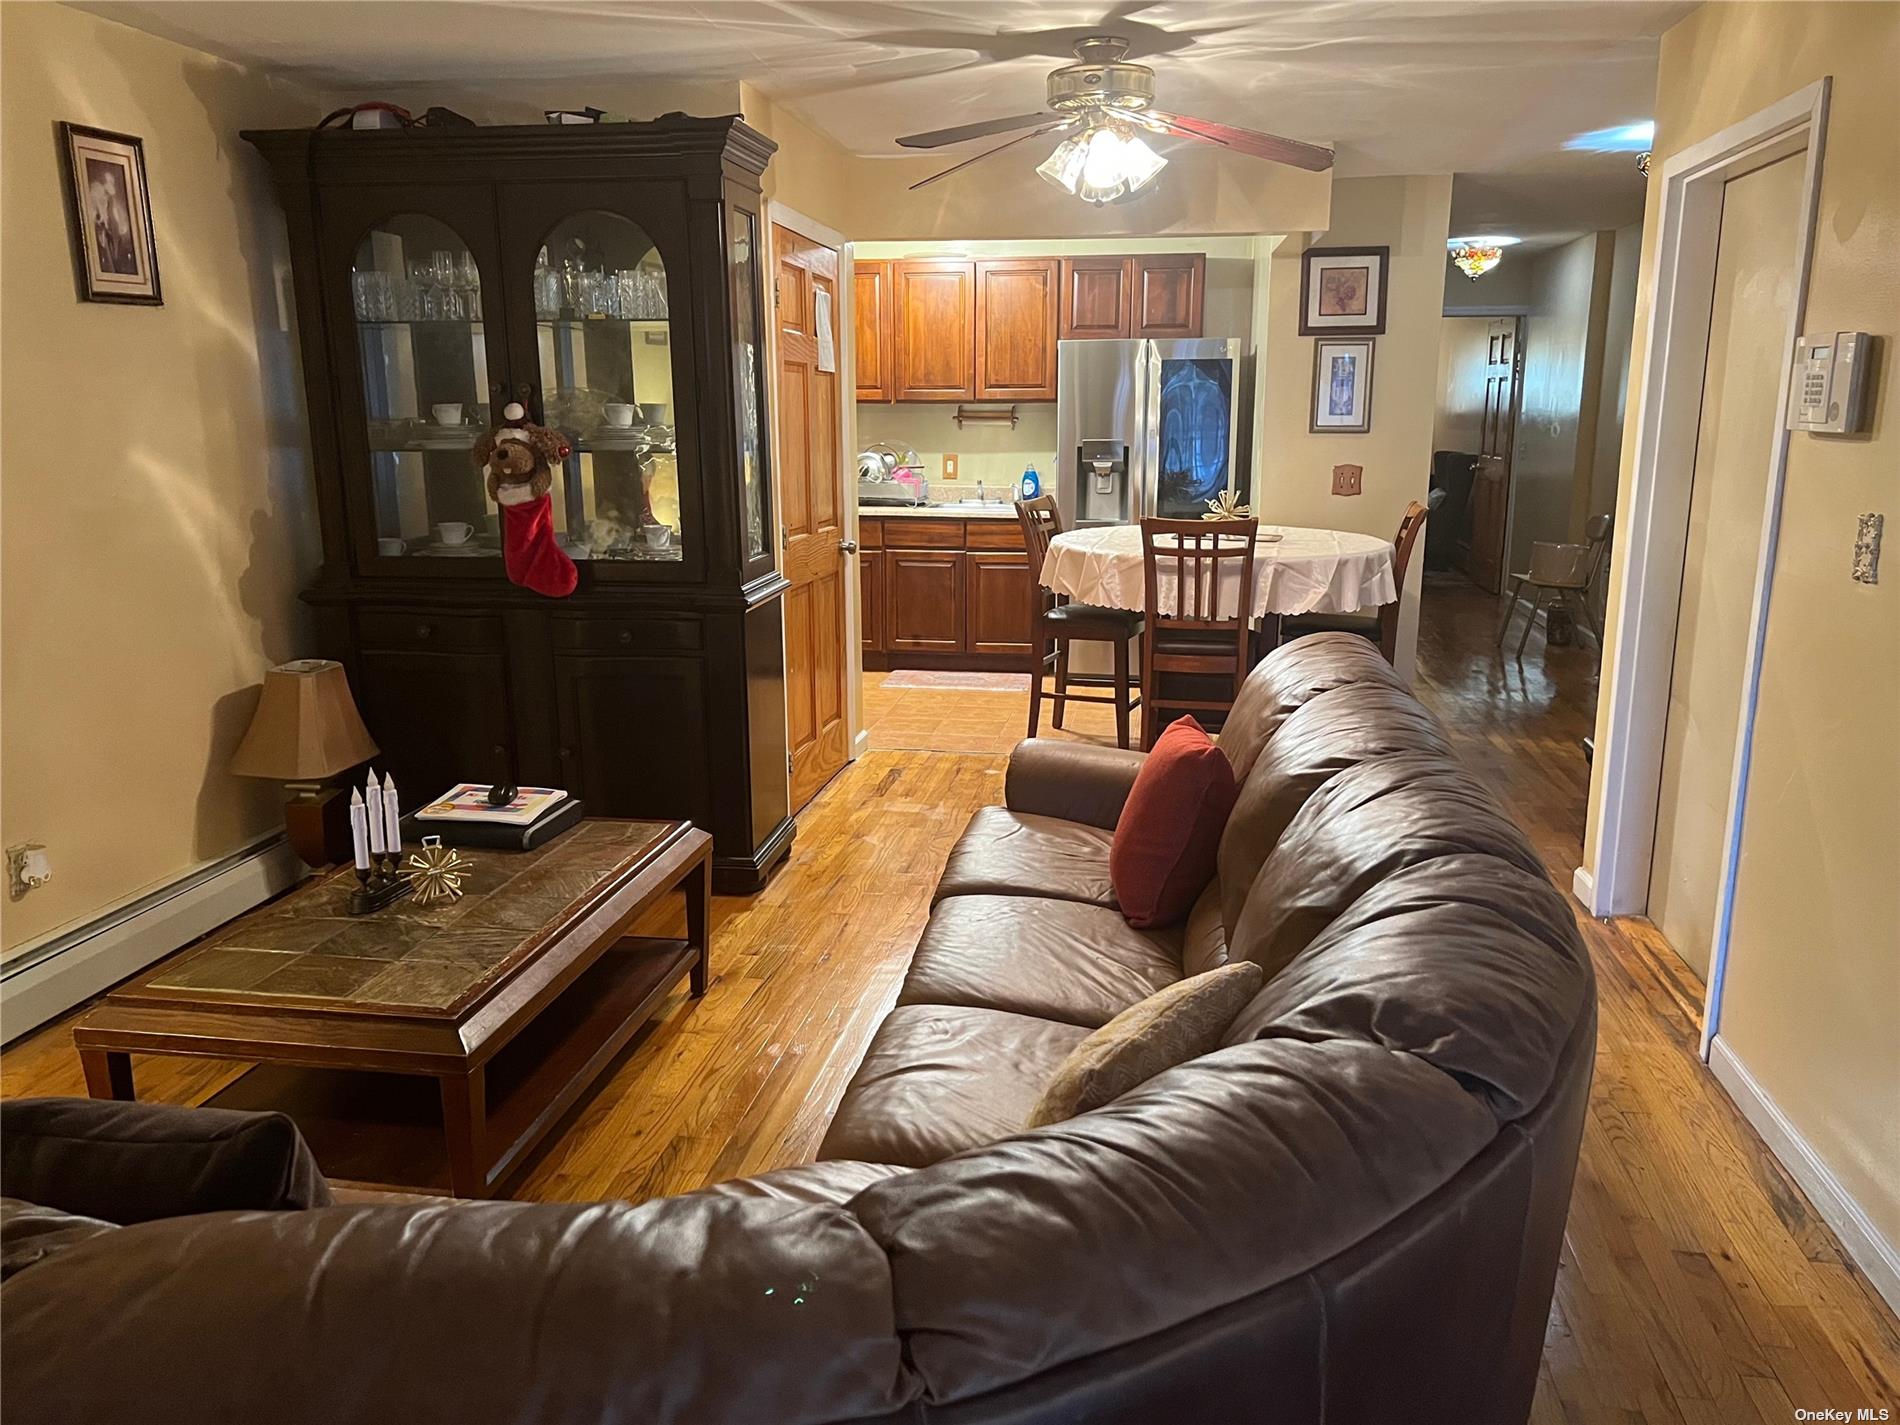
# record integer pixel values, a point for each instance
(1097, 297)
(1168, 294)
(872, 302)
(934, 329)
(1016, 301)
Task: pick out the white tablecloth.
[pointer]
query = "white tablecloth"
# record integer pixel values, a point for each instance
(1328, 571)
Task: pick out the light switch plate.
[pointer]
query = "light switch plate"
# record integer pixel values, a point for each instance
(1347, 479)
(1867, 549)
(949, 467)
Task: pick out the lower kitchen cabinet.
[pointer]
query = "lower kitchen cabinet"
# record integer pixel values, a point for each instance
(871, 599)
(924, 600)
(943, 593)
(996, 606)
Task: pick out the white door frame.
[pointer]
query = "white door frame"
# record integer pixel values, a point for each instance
(1655, 536)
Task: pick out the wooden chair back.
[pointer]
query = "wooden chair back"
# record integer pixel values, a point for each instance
(1042, 522)
(1206, 627)
(1410, 527)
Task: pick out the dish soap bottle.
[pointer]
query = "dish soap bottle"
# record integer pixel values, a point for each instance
(1032, 482)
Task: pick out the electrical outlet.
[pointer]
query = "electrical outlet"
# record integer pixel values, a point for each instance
(27, 867)
(949, 467)
(1347, 479)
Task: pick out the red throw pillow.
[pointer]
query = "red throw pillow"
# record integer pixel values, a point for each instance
(1169, 831)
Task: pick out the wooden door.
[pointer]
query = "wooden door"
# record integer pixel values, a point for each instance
(1016, 328)
(1168, 294)
(923, 601)
(811, 475)
(996, 601)
(1491, 488)
(871, 287)
(1097, 297)
(934, 330)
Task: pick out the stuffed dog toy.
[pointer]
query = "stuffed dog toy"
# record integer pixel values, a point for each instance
(518, 459)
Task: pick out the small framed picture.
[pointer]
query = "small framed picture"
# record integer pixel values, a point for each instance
(1342, 386)
(111, 211)
(1342, 291)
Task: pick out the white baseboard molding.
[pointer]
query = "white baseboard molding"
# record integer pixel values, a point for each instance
(860, 744)
(1871, 1252)
(44, 980)
(1583, 885)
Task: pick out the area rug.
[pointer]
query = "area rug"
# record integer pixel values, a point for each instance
(963, 682)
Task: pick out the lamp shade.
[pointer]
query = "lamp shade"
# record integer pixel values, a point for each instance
(306, 725)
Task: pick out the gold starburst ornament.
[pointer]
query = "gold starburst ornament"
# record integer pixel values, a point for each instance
(436, 871)
(1225, 507)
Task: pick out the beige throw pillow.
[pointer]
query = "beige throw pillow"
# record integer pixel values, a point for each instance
(1171, 1026)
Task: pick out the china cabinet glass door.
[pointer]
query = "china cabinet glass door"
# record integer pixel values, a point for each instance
(428, 369)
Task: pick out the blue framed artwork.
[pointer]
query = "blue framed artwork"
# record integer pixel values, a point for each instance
(1342, 386)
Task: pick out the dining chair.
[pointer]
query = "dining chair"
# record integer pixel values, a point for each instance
(1567, 570)
(1055, 622)
(1205, 630)
(1382, 627)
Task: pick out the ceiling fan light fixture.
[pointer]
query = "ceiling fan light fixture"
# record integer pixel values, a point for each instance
(1101, 164)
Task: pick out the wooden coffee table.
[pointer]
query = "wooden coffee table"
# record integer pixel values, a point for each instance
(512, 998)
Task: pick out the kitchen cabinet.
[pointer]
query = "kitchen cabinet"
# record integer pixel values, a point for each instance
(934, 329)
(943, 593)
(1016, 300)
(570, 269)
(871, 599)
(1168, 294)
(872, 305)
(996, 604)
(1097, 297)
(924, 600)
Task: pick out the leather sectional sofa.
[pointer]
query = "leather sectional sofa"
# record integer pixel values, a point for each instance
(1352, 1212)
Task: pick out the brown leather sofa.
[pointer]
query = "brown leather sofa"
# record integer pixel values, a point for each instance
(1350, 1213)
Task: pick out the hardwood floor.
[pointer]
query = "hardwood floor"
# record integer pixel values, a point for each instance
(1697, 1284)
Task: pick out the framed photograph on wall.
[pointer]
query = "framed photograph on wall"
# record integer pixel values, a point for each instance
(113, 244)
(1342, 291)
(1342, 386)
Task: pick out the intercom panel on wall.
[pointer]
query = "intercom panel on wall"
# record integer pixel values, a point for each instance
(1829, 387)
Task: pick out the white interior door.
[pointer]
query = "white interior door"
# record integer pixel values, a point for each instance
(1755, 279)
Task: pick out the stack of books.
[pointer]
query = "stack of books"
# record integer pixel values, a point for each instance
(463, 816)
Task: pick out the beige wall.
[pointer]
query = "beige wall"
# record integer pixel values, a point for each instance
(1619, 336)
(1293, 473)
(1505, 288)
(1814, 953)
(1463, 353)
(1563, 372)
(156, 535)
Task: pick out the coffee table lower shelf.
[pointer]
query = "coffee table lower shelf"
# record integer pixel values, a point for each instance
(386, 1130)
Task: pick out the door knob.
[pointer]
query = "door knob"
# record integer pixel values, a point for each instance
(849, 546)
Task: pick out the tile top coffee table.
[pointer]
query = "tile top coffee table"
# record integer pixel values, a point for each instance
(513, 998)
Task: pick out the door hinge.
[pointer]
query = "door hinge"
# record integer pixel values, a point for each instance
(788, 764)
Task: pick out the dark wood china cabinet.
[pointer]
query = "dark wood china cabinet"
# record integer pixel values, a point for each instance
(609, 278)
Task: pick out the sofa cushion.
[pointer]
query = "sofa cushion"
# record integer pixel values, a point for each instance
(1204, 938)
(1006, 853)
(1073, 781)
(938, 1079)
(835, 1182)
(1168, 833)
(1468, 962)
(1363, 825)
(1171, 1026)
(30, 1233)
(132, 1162)
(1290, 677)
(1063, 960)
(1355, 723)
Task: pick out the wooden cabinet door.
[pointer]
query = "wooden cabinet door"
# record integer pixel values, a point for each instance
(923, 601)
(633, 735)
(871, 600)
(997, 603)
(872, 299)
(1168, 294)
(934, 329)
(439, 718)
(1097, 297)
(1016, 329)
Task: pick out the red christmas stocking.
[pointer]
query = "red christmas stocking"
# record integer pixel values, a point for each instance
(530, 552)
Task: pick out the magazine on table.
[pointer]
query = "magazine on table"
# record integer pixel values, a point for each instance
(468, 802)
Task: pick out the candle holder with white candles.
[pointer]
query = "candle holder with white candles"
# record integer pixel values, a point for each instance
(376, 840)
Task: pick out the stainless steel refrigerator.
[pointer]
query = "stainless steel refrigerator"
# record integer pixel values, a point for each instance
(1149, 428)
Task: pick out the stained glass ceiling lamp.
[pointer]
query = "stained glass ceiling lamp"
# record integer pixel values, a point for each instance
(1104, 162)
(1475, 256)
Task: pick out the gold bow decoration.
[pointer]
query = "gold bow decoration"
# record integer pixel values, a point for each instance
(1225, 507)
(436, 871)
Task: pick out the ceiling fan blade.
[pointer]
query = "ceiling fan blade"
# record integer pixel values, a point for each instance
(938, 138)
(1249, 141)
(979, 157)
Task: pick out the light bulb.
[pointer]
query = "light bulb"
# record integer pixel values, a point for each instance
(1101, 164)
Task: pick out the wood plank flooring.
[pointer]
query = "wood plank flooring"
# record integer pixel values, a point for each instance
(1697, 1284)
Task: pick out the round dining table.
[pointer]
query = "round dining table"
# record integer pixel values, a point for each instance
(1295, 570)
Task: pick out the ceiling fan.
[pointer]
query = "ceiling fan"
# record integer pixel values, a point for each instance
(1104, 104)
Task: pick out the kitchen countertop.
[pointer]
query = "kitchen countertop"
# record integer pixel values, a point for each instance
(955, 510)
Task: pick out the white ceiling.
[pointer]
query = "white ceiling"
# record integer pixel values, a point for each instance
(1488, 91)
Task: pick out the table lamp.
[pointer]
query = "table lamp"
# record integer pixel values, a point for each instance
(306, 729)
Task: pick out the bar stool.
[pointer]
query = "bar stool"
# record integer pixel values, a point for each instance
(1055, 623)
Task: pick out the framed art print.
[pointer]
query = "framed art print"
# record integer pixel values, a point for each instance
(111, 212)
(1342, 291)
(1342, 386)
